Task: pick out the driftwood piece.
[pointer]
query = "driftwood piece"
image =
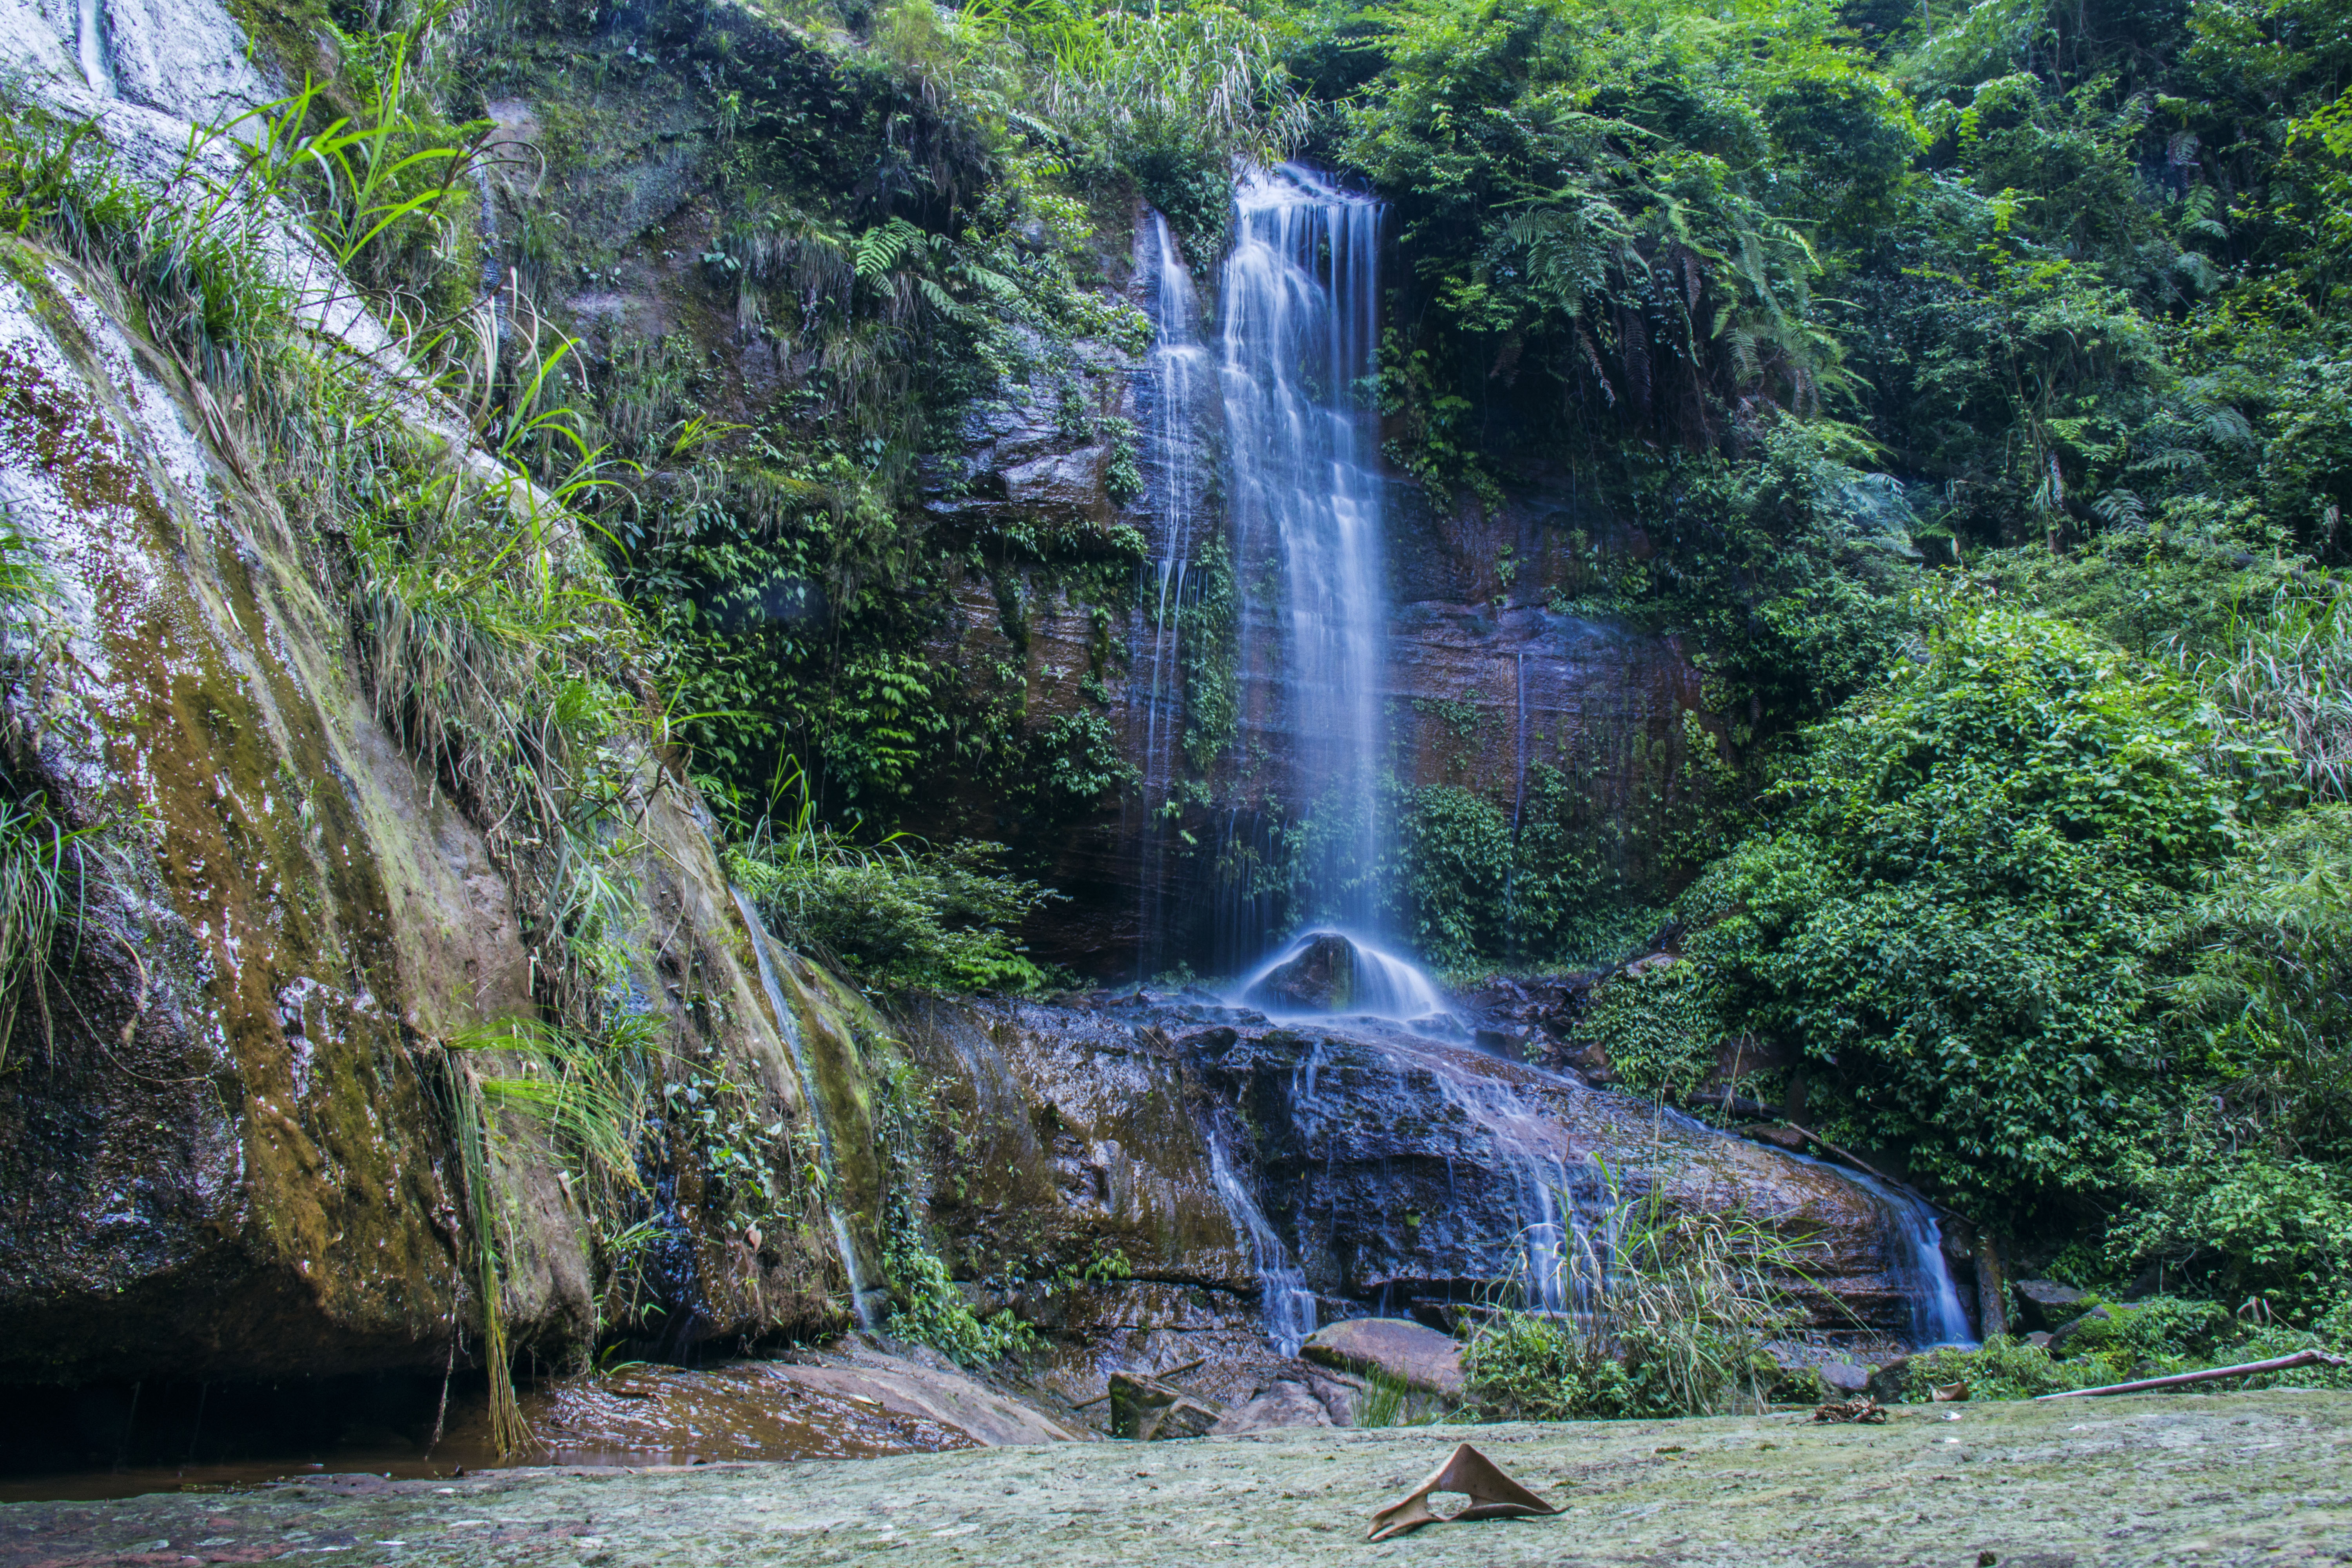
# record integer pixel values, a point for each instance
(1492, 1494)
(2211, 1373)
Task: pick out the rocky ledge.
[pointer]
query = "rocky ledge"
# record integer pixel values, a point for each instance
(2222, 1478)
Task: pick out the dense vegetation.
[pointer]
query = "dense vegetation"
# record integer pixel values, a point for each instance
(1968, 388)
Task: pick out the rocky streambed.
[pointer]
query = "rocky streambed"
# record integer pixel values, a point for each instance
(2216, 1479)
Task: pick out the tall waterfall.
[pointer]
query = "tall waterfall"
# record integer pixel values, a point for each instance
(1298, 331)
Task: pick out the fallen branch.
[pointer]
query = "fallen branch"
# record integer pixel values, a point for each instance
(2282, 1363)
(1152, 1376)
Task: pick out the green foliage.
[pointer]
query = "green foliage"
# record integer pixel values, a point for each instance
(1599, 211)
(1958, 910)
(1075, 764)
(2001, 1368)
(2287, 678)
(895, 913)
(935, 1312)
(2156, 1337)
(1676, 1327)
(927, 1307)
(1660, 1029)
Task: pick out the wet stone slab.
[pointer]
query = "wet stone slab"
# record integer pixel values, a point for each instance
(2222, 1478)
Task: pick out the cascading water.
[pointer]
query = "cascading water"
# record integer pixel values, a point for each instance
(1174, 384)
(91, 49)
(1298, 318)
(1298, 329)
(1384, 985)
(1289, 1307)
(1916, 1259)
(861, 1297)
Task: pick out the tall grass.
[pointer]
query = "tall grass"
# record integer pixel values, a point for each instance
(2290, 676)
(1206, 76)
(41, 879)
(468, 1111)
(1675, 1325)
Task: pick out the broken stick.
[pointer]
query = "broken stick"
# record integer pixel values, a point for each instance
(1154, 1376)
(2282, 1363)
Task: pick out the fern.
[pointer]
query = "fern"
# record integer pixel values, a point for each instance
(878, 249)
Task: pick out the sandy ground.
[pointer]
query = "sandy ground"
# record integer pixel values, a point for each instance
(2220, 1479)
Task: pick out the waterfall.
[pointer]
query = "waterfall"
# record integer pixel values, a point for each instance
(1175, 379)
(1299, 314)
(1287, 1305)
(1916, 1258)
(96, 59)
(788, 1025)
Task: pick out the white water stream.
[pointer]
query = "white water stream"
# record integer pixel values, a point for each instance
(90, 48)
(788, 1025)
(1297, 333)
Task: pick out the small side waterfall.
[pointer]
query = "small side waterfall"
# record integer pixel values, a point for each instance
(788, 1025)
(91, 51)
(1288, 1307)
(1176, 378)
(1915, 1248)
(1299, 331)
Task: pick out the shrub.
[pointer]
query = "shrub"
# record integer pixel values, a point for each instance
(895, 913)
(1959, 908)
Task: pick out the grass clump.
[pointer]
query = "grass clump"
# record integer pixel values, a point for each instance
(897, 912)
(1676, 1326)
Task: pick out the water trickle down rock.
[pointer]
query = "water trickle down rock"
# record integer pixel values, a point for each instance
(1407, 1173)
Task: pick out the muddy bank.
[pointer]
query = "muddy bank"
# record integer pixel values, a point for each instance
(2222, 1478)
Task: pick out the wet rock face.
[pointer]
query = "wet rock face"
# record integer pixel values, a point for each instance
(1405, 1173)
(224, 1150)
(1401, 1174)
(1071, 1181)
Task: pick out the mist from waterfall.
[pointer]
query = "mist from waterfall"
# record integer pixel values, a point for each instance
(1298, 335)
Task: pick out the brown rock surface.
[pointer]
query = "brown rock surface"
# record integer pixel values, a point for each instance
(1418, 1357)
(1286, 1404)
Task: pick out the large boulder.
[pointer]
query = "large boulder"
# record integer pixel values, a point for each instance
(1419, 1358)
(1321, 978)
(2045, 1303)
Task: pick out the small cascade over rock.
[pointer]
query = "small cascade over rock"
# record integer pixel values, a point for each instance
(1915, 1249)
(1330, 971)
(863, 1295)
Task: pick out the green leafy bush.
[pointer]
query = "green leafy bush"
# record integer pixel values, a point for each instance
(1957, 913)
(897, 912)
